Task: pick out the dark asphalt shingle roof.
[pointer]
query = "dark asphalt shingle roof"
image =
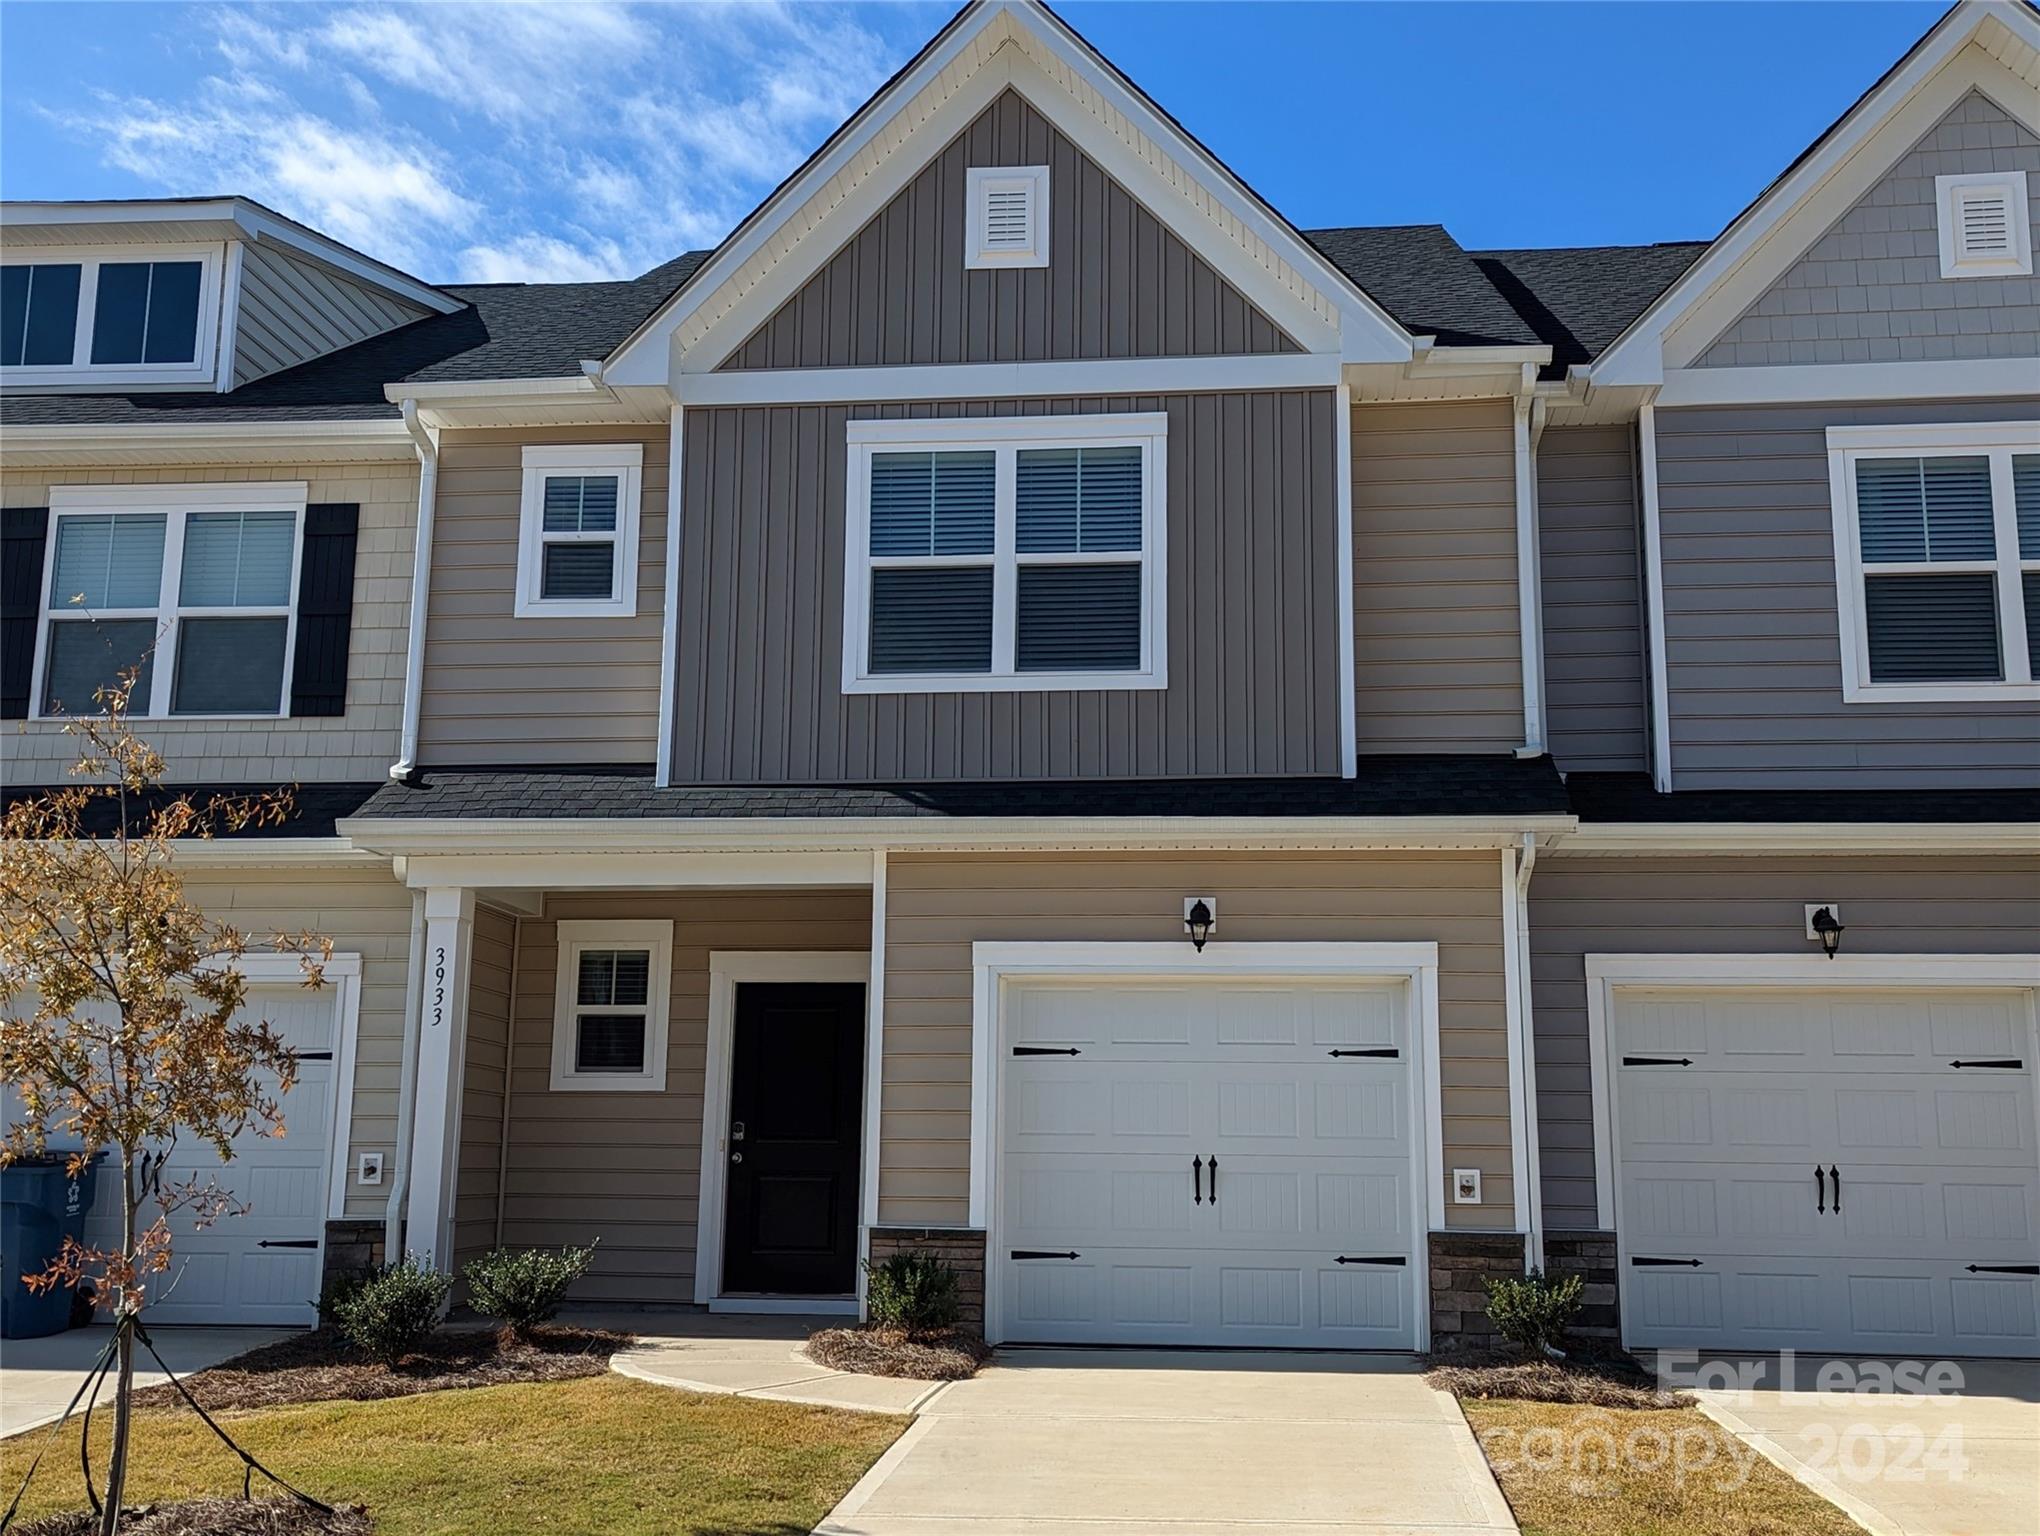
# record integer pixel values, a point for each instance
(1386, 786)
(1421, 276)
(314, 807)
(1629, 797)
(1579, 299)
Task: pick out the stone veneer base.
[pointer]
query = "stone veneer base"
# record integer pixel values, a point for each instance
(962, 1247)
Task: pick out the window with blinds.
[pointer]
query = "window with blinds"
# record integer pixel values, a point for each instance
(1941, 563)
(196, 601)
(609, 1025)
(1028, 561)
(577, 544)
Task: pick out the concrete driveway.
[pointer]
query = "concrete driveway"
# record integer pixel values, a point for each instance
(38, 1376)
(1111, 1442)
(1962, 1464)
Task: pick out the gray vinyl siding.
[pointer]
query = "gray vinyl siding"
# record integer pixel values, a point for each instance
(1437, 647)
(359, 743)
(626, 1167)
(1870, 290)
(1595, 691)
(1752, 633)
(293, 310)
(484, 1065)
(1984, 904)
(1252, 622)
(937, 906)
(1118, 283)
(504, 690)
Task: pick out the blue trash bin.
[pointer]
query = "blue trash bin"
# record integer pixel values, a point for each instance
(40, 1205)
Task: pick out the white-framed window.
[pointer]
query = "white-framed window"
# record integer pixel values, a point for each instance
(577, 540)
(194, 584)
(610, 1006)
(1007, 224)
(110, 314)
(1015, 554)
(1986, 228)
(1937, 555)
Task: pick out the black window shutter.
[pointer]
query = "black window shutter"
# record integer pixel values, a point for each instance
(325, 615)
(22, 532)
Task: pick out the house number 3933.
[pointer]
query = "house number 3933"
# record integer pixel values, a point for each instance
(438, 986)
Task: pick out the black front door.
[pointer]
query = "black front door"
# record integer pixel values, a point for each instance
(796, 1108)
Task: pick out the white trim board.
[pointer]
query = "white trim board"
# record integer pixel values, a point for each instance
(727, 970)
(1812, 973)
(993, 964)
(1819, 383)
(991, 381)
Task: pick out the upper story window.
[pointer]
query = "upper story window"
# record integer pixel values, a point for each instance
(1937, 534)
(113, 315)
(1008, 216)
(1015, 554)
(578, 531)
(1986, 230)
(195, 586)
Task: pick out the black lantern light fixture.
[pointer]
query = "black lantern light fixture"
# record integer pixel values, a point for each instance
(1828, 929)
(1198, 920)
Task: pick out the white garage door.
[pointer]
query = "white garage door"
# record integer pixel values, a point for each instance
(1845, 1171)
(1212, 1164)
(261, 1267)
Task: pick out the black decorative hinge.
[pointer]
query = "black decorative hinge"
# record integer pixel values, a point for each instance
(1384, 1052)
(1046, 1050)
(295, 1242)
(1641, 1263)
(1386, 1258)
(1038, 1253)
(2010, 1066)
(313, 1055)
(1655, 1061)
(2004, 1269)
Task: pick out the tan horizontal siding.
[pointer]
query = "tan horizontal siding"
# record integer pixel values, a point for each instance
(1437, 649)
(938, 905)
(1684, 906)
(292, 311)
(503, 690)
(626, 1167)
(360, 743)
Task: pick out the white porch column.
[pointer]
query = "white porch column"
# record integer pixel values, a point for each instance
(442, 1041)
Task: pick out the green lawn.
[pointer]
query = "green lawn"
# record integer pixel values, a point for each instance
(603, 1454)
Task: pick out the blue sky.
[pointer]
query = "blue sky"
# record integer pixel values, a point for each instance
(567, 141)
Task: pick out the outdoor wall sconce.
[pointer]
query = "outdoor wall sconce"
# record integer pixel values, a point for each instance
(1200, 916)
(1826, 927)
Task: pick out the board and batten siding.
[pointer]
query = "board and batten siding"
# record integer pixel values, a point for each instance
(937, 906)
(293, 310)
(506, 690)
(626, 1167)
(1981, 904)
(1870, 289)
(1252, 623)
(1437, 651)
(360, 743)
(1118, 282)
(1752, 633)
(1595, 691)
(485, 1054)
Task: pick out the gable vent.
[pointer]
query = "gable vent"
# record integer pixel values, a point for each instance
(1984, 226)
(1008, 217)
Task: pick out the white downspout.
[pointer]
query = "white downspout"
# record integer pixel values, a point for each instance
(406, 765)
(1529, 576)
(407, 1085)
(1526, 1022)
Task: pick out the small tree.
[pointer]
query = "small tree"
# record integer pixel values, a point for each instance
(120, 1012)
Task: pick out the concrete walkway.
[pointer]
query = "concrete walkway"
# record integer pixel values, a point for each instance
(1966, 1464)
(747, 1357)
(38, 1376)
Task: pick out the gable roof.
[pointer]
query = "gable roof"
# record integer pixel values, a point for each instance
(1423, 277)
(1578, 299)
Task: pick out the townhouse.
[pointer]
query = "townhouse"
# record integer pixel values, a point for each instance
(1230, 780)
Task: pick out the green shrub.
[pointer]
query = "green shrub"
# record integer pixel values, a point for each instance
(912, 1293)
(523, 1287)
(391, 1313)
(1534, 1312)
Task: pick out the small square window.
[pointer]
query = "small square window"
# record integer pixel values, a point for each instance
(578, 532)
(1986, 226)
(609, 1024)
(1008, 216)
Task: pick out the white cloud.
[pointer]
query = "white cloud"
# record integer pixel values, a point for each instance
(551, 142)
